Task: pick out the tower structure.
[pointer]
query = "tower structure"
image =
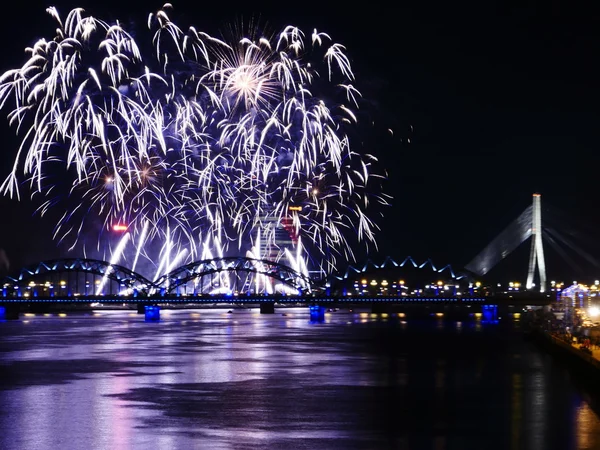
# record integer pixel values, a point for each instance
(537, 250)
(277, 235)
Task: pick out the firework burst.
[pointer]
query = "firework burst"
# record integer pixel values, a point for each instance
(203, 145)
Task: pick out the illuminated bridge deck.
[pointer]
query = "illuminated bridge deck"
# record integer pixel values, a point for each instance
(190, 300)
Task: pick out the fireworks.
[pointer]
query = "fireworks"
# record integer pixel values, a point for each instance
(206, 146)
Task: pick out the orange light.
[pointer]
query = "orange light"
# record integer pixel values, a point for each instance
(294, 208)
(120, 227)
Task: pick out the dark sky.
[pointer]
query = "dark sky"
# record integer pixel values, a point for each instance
(498, 100)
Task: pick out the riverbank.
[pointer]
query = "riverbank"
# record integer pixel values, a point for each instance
(583, 364)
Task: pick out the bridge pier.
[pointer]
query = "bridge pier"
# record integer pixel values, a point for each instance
(489, 313)
(267, 307)
(317, 313)
(152, 313)
(9, 312)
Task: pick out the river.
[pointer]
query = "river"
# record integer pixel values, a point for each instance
(209, 379)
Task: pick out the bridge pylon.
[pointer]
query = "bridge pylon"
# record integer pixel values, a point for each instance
(536, 256)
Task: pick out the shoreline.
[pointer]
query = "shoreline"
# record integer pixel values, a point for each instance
(583, 365)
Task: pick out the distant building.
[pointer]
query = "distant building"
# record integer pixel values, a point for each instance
(276, 237)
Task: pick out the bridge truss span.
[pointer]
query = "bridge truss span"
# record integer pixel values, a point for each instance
(77, 275)
(235, 275)
(218, 276)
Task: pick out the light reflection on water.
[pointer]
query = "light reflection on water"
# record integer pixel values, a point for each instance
(218, 380)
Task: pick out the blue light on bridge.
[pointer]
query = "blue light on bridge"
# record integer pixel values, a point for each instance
(490, 313)
(2, 313)
(152, 313)
(317, 313)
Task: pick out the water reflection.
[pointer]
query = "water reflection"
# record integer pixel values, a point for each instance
(209, 379)
(587, 422)
(537, 408)
(516, 413)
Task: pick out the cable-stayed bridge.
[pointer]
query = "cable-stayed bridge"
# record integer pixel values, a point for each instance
(529, 225)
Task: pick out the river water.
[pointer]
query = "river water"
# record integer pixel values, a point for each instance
(201, 379)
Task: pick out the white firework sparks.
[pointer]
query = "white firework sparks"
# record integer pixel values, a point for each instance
(201, 141)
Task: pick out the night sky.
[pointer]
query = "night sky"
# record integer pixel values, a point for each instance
(489, 103)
